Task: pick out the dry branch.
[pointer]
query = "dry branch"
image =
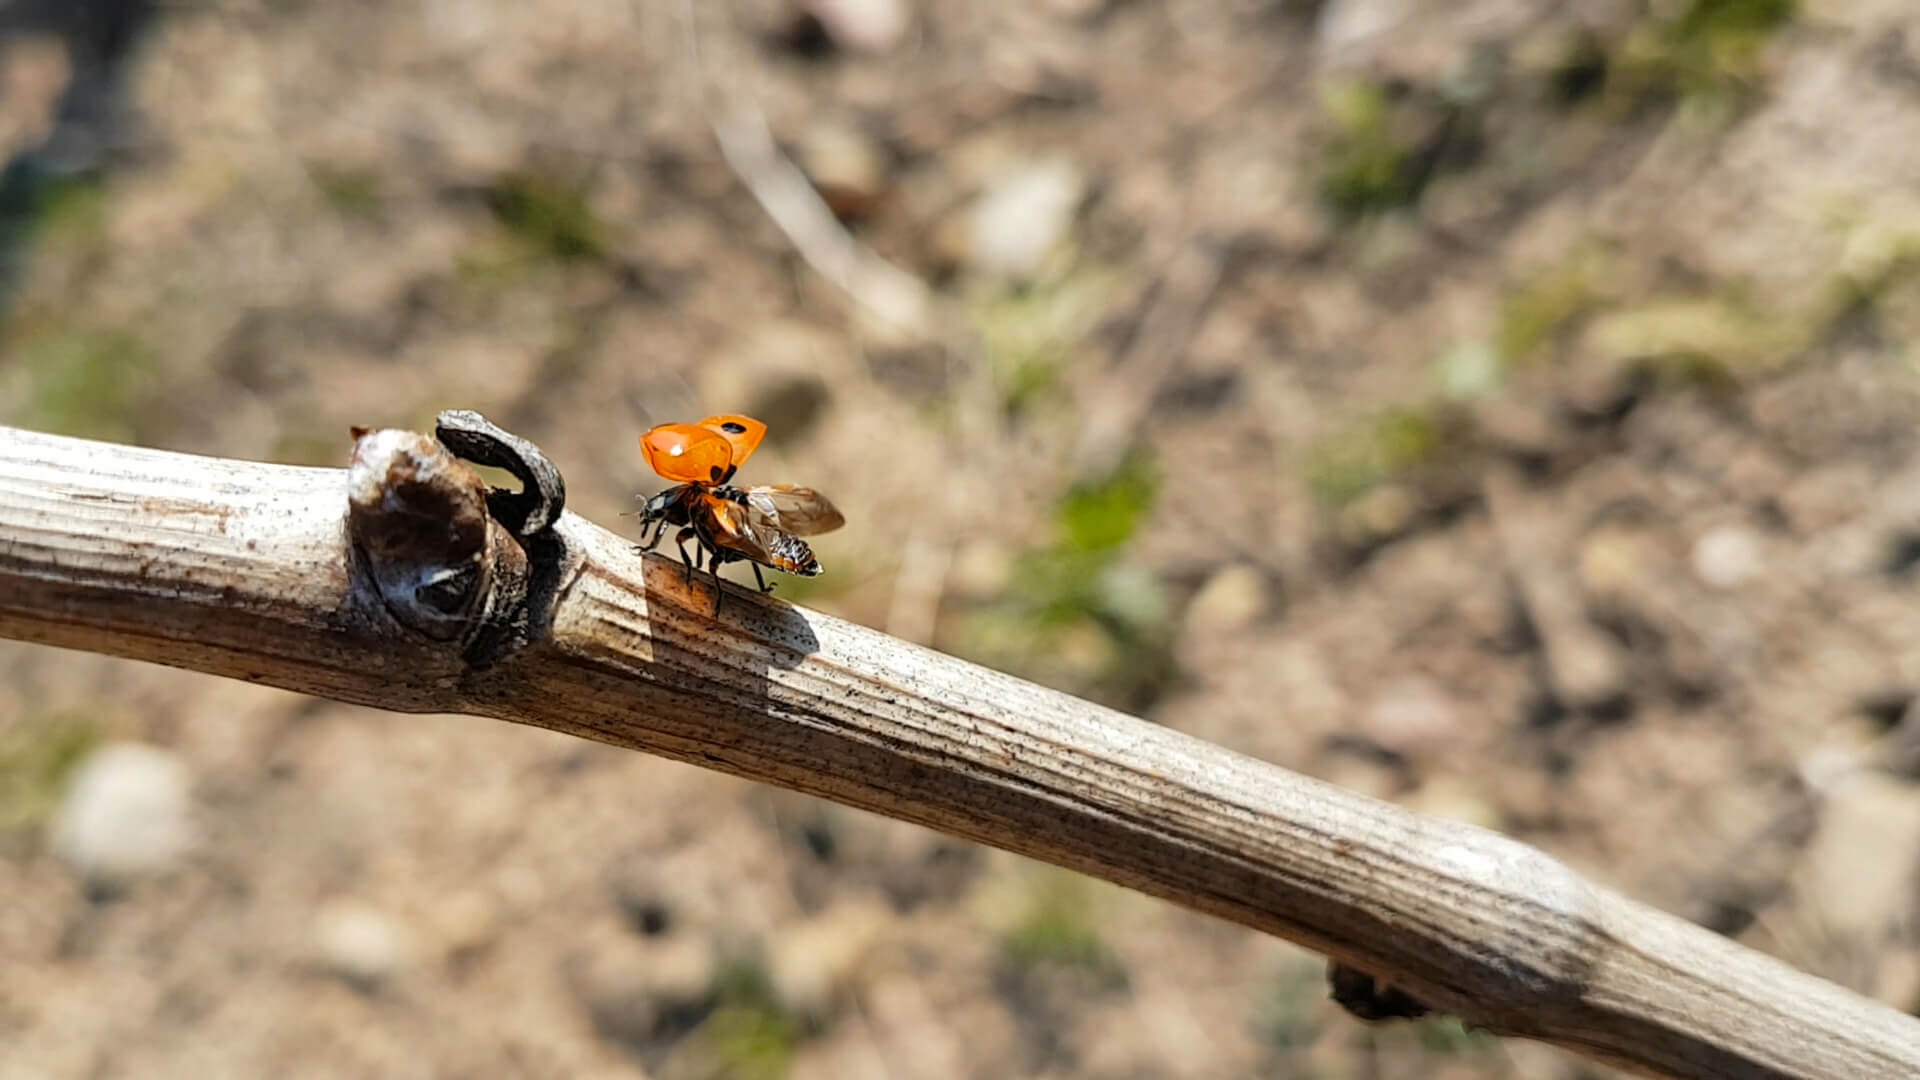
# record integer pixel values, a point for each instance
(901, 302)
(403, 584)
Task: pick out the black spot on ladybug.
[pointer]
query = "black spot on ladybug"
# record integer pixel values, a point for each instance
(733, 428)
(717, 473)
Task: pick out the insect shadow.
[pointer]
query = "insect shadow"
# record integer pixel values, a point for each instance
(685, 611)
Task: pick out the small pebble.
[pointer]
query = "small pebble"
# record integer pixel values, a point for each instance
(1234, 598)
(1613, 562)
(639, 991)
(1469, 370)
(981, 568)
(1859, 866)
(1727, 557)
(1023, 217)
(1453, 800)
(1076, 10)
(1413, 717)
(127, 814)
(1378, 516)
(812, 965)
(867, 26)
(1587, 671)
(467, 922)
(847, 169)
(361, 944)
(1522, 429)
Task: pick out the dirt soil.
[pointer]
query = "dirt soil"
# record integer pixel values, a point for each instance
(1509, 412)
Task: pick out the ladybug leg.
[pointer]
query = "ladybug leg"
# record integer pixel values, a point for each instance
(680, 540)
(760, 578)
(713, 564)
(713, 570)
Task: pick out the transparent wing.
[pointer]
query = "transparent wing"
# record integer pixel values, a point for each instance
(801, 511)
(740, 532)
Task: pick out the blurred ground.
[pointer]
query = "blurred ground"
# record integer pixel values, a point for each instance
(1508, 412)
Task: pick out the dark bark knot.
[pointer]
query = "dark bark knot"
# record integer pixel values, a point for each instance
(451, 558)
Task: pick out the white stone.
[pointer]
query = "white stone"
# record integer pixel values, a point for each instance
(1859, 867)
(1413, 716)
(1728, 556)
(127, 813)
(813, 964)
(1349, 25)
(1021, 218)
(1234, 598)
(361, 943)
(870, 26)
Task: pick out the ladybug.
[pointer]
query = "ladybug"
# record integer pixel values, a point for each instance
(760, 525)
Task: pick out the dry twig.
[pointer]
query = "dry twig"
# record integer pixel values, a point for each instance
(901, 302)
(1584, 668)
(1173, 311)
(402, 584)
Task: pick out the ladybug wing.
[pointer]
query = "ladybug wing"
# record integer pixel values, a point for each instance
(688, 454)
(801, 511)
(735, 529)
(743, 433)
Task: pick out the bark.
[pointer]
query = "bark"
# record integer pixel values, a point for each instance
(404, 584)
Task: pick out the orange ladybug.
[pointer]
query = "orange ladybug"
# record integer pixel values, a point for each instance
(761, 525)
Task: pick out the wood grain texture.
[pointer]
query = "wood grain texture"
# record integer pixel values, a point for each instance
(246, 570)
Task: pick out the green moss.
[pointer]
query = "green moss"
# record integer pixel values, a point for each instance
(1574, 312)
(1547, 303)
(1063, 582)
(1728, 34)
(1707, 55)
(1078, 576)
(1059, 930)
(1030, 332)
(353, 193)
(749, 1035)
(85, 382)
(1448, 1035)
(1368, 167)
(1098, 517)
(1469, 370)
(45, 213)
(484, 268)
(549, 216)
(1287, 1018)
(36, 758)
(1027, 381)
(1879, 262)
(1376, 450)
(1076, 613)
(1688, 335)
(72, 210)
(750, 1044)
